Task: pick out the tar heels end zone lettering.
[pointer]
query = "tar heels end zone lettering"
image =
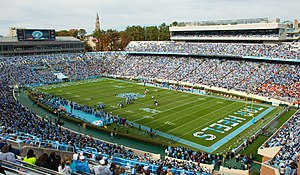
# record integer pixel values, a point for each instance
(224, 125)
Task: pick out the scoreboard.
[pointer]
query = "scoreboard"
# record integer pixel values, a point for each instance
(35, 35)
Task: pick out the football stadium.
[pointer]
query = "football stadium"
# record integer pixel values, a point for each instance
(221, 97)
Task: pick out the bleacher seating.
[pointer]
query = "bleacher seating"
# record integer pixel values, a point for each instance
(277, 80)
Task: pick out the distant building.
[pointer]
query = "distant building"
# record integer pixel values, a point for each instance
(293, 33)
(97, 24)
(37, 41)
(91, 41)
(256, 30)
(12, 31)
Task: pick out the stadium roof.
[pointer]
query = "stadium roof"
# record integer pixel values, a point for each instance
(225, 22)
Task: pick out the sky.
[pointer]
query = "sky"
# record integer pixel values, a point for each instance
(118, 14)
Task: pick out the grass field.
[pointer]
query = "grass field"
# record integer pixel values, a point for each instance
(179, 114)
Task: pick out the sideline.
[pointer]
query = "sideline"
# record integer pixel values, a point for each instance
(135, 145)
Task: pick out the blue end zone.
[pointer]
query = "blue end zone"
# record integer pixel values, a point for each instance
(218, 143)
(240, 129)
(98, 121)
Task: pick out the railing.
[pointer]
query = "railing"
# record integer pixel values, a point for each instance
(34, 141)
(23, 168)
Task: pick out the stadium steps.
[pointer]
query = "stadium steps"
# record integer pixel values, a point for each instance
(216, 67)
(191, 72)
(246, 79)
(211, 70)
(81, 59)
(175, 70)
(229, 73)
(88, 57)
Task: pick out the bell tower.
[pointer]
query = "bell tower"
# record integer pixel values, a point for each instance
(97, 24)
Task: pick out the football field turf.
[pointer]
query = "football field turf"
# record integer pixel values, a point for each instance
(201, 119)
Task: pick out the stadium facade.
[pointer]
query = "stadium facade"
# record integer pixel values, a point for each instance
(256, 30)
(24, 43)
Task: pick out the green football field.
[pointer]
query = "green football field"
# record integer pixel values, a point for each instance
(201, 119)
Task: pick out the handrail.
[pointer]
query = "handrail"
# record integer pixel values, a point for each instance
(29, 170)
(37, 168)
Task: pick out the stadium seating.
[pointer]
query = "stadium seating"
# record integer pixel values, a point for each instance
(287, 137)
(283, 51)
(278, 80)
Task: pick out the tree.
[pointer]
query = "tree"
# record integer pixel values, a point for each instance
(62, 33)
(174, 23)
(113, 40)
(164, 33)
(74, 32)
(81, 33)
(109, 40)
(97, 34)
(135, 33)
(124, 40)
(151, 33)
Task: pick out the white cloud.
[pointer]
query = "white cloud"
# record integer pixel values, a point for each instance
(117, 14)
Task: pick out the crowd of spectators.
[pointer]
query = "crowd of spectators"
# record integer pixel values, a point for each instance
(275, 80)
(283, 51)
(208, 158)
(288, 137)
(269, 79)
(17, 120)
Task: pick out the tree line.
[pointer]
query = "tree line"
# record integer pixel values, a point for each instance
(113, 40)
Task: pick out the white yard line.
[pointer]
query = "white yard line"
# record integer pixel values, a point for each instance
(209, 121)
(166, 116)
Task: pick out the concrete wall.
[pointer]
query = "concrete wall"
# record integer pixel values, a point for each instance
(226, 171)
(268, 170)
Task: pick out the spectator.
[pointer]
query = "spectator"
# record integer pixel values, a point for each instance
(133, 170)
(113, 168)
(101, 169)
(122, 171)
(72, 163)
(82, 165)
(159, 170)
(54, 161)
(64, 168)
(42, 161)
(6, 155)
(30, 157)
